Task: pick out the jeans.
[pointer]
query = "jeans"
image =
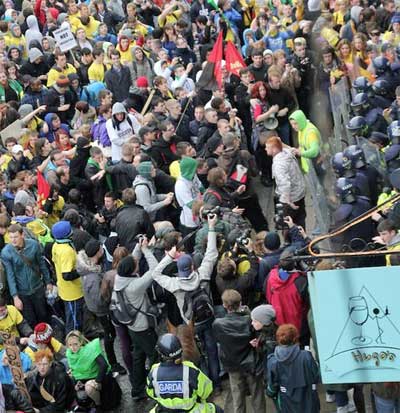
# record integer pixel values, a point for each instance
(143, 343)
(74, 315)
(387, 405)
(207, 338)
(35, 308)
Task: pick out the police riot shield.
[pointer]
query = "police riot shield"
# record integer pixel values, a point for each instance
(373, 155)
(319, 199)
(340, 98)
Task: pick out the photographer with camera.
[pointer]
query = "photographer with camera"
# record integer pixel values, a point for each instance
(295, 236)
(238, 267)
(192, 291)
(222, 227)
(290, 186)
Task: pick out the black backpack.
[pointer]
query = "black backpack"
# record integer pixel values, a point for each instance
(199, 301)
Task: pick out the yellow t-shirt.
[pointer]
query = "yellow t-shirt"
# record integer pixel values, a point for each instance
(9, 324)
(126, 56)
(391, 37)
(90, 28)
(140, 29)
(338, 18)
(96, 72)
(171, 18)
(54, 343)
(7, 158)
(64, 259)
(74, 21)
(54, 74)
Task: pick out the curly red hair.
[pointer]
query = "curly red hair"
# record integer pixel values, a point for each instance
(255, 91)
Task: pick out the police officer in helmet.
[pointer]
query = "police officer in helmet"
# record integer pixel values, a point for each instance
(361, 106)
(343, 167)
(358, 162)
(355, 238)
(178, 385)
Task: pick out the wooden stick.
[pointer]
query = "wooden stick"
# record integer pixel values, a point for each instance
(148, 101)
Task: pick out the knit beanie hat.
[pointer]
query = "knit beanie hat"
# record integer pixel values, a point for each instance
(92, 247)
(272, 241)
(142, 81)
(61, 230)
(126, 267)
(43, 333)
(62, 81)
(34, 54)
(264, 314)
(144, 169)
(25, 110)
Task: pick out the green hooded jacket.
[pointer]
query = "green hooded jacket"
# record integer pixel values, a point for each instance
(309, 139)
(188, 168)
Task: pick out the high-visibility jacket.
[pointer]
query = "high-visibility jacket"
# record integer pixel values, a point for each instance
(179, 387)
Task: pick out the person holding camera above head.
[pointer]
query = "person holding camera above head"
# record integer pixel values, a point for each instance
(190, 386)
(290, 186)
(238, 267)
(222, 228)
(238, 356)
(191, 289)
(287, 292)
(132, 302)
(295, 236)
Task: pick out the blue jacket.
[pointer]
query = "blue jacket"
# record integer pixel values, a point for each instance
(5, 371)
(22, 278)
(279, 41)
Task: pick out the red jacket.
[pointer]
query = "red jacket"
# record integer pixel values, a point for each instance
(286, 299)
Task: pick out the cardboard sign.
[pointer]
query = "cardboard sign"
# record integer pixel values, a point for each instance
(14, 130)
(65, 39)
(357, 322)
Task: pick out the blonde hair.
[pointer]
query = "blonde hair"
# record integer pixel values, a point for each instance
(77, 334)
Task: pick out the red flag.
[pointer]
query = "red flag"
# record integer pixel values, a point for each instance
(212, 71)
(43, 189)
(234, 60)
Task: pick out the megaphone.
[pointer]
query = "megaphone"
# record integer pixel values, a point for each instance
(271, 122)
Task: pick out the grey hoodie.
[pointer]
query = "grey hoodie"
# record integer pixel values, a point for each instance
(286, 353)
(33, 32)
(146, 196)
(92, 276)
(179, 286)
(135, 289)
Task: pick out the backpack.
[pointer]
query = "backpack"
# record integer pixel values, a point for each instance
(200, 304)
(120, 311)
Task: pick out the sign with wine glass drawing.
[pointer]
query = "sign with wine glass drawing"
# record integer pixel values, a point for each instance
(357, 323)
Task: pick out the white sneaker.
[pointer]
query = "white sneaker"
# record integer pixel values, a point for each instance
(343, 409)
(330, 398)
(351, 407)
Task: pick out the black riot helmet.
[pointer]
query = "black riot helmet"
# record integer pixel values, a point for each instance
(169, 347)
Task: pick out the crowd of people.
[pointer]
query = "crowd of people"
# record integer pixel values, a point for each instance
(132, 191)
